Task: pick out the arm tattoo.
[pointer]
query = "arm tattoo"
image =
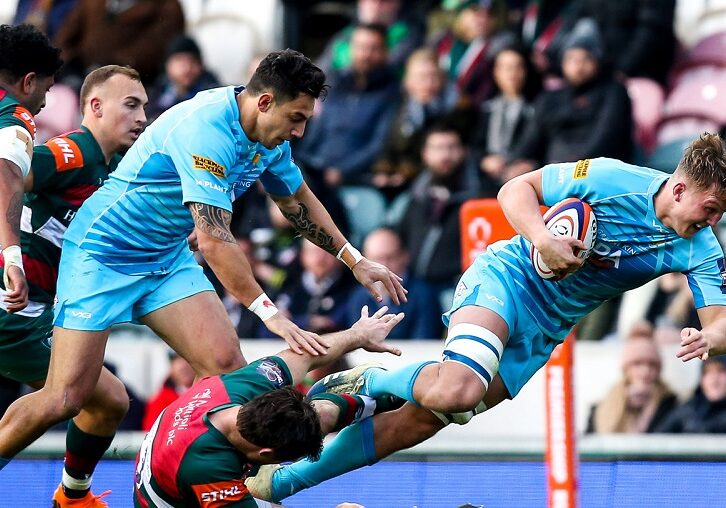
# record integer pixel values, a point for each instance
(304, 225)
(15, 210)
(212, 220)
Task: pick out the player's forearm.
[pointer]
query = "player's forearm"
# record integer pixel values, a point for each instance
(231, 267)
(310, 218)
(520, 204)
(11, 203)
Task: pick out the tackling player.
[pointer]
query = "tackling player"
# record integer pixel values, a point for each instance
(65, 171)
(28, 64)
(505, 320)
(126, 258)
(204, 444)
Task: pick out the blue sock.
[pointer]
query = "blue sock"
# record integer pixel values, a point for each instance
(352, 448)
(4, 462)
(397, 382)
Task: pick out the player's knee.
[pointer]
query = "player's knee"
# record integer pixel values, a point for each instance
(115, 403)
(219, 361)
(454, 395)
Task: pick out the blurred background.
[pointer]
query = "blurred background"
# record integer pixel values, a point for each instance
(433, 103)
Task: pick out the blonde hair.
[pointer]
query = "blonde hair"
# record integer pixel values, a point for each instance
(704, 163)
(103, 74)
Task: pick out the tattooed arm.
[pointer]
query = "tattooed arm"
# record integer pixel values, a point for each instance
(11, 207)
(310, 218)
(230, 265)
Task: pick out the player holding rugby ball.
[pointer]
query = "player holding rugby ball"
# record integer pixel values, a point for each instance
(506, 319)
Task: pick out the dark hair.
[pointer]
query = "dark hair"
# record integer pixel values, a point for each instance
(532, 82)
(288, 73)
(103, 74)
(379, 28)
(25, 49)
(284, 421)
(444, 127)
(704, 163)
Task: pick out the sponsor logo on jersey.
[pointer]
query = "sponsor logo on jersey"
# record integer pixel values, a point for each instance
(66, 153)
(24, 116)
(205, 164)
(81, 314)
(722, 269)
(581, 169)
(211, 185)
(212, 495)
(255, 159)
(272, 371)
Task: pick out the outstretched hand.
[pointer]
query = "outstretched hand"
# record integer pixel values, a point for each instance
(376, 328)
(693, 345)
(368, 272)
(298, 339)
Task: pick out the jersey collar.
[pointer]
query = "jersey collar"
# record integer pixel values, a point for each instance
(652, 219)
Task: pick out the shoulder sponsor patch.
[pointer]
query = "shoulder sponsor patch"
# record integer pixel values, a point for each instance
(581, 169)
(24, 116)
(218, 494)
(273, 372)
(205, 164)
(66, 152)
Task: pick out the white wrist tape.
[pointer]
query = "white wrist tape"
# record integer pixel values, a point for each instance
(263, 307)
(12, 257)
(349, 255)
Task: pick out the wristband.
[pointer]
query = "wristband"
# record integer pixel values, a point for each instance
(349, 255)
(13, 257)
(263, 307)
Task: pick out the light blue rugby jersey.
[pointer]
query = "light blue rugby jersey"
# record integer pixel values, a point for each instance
(633, 246)
(138, 222)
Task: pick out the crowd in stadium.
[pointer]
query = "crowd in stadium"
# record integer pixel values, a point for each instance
(431, 104)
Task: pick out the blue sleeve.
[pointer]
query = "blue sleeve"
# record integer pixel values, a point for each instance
(587, 179)
(707, 279)
(202, 153)
(282, 177)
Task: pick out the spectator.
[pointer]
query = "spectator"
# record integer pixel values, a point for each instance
(428, 97)
(132, 32)
(44, 15)
(637, 35)
(640, 401)
(180, 379)
(184, 76)
(318, 299)
(544, 28)
(465, 51)
(423, 315)
(402, 35)
(589, 117)
(346, 138)
(705, 411)
(430, 225)
(504, 118)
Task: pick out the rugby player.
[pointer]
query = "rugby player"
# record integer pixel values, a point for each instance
(204, 444)
(28, 64)
(505, 320)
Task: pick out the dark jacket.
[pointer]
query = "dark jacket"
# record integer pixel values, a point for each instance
(697, 415)
(637, 34)
(352, 128)
(569, 124)
(430, 227)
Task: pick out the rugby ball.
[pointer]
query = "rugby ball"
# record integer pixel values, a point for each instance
(570, 217)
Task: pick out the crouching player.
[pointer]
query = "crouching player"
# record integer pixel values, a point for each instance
(203, 446)
(505, 320)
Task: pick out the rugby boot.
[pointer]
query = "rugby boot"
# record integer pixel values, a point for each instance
(60, 500)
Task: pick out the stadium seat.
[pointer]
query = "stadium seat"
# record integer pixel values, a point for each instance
(647, 97)
(666, 157)
(709, 51)
(397, 208)
(700, 97)
(687, 127)
(60, 114)
(366, 208)
(698, 19)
